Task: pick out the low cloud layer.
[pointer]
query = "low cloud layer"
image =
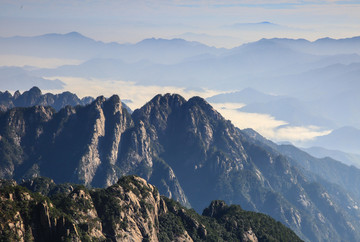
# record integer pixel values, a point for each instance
(138, 94)
(266, 125)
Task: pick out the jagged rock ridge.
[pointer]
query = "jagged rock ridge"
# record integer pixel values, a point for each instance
(93, 145)
(35, 97)
(185, 148)
(130, 210)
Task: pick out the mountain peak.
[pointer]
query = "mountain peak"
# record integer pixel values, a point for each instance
(71, 36)
(205, 106)
(198, 101)
(114, 99)
(169, 99)
(17, 94)
(75, 34)
(35, 91)
(215, 209)
(114, 103)
(157, 110)
(99, 100)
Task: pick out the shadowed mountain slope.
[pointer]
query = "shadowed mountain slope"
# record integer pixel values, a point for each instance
(185, 148)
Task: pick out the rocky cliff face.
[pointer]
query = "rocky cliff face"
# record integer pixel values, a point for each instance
(130, 210)
(186, 148)
(26, 216)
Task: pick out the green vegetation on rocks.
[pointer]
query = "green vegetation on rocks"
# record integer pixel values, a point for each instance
(130, 210)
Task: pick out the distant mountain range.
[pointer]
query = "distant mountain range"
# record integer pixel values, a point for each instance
(252, 65)
(187, 64)
(76, 46)
(318, 79)
(327, 46)
(333, 112)
(284, 108)
(246, 96)
(345, 138)
(349, 159)
(190, 152)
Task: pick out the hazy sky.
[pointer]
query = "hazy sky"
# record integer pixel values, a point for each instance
(226, 23)
(266, 125)
(220, 23)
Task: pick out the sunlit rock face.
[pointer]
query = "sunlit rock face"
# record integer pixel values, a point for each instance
(129, 210)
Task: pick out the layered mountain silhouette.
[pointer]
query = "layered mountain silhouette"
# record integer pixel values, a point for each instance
(185, 148)
(345, 138)
(323, 45)
(291, 110)
(320, 77)
(76, 46)
(347, 158)
(185, 63)
(34, 97)
(245, 66)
